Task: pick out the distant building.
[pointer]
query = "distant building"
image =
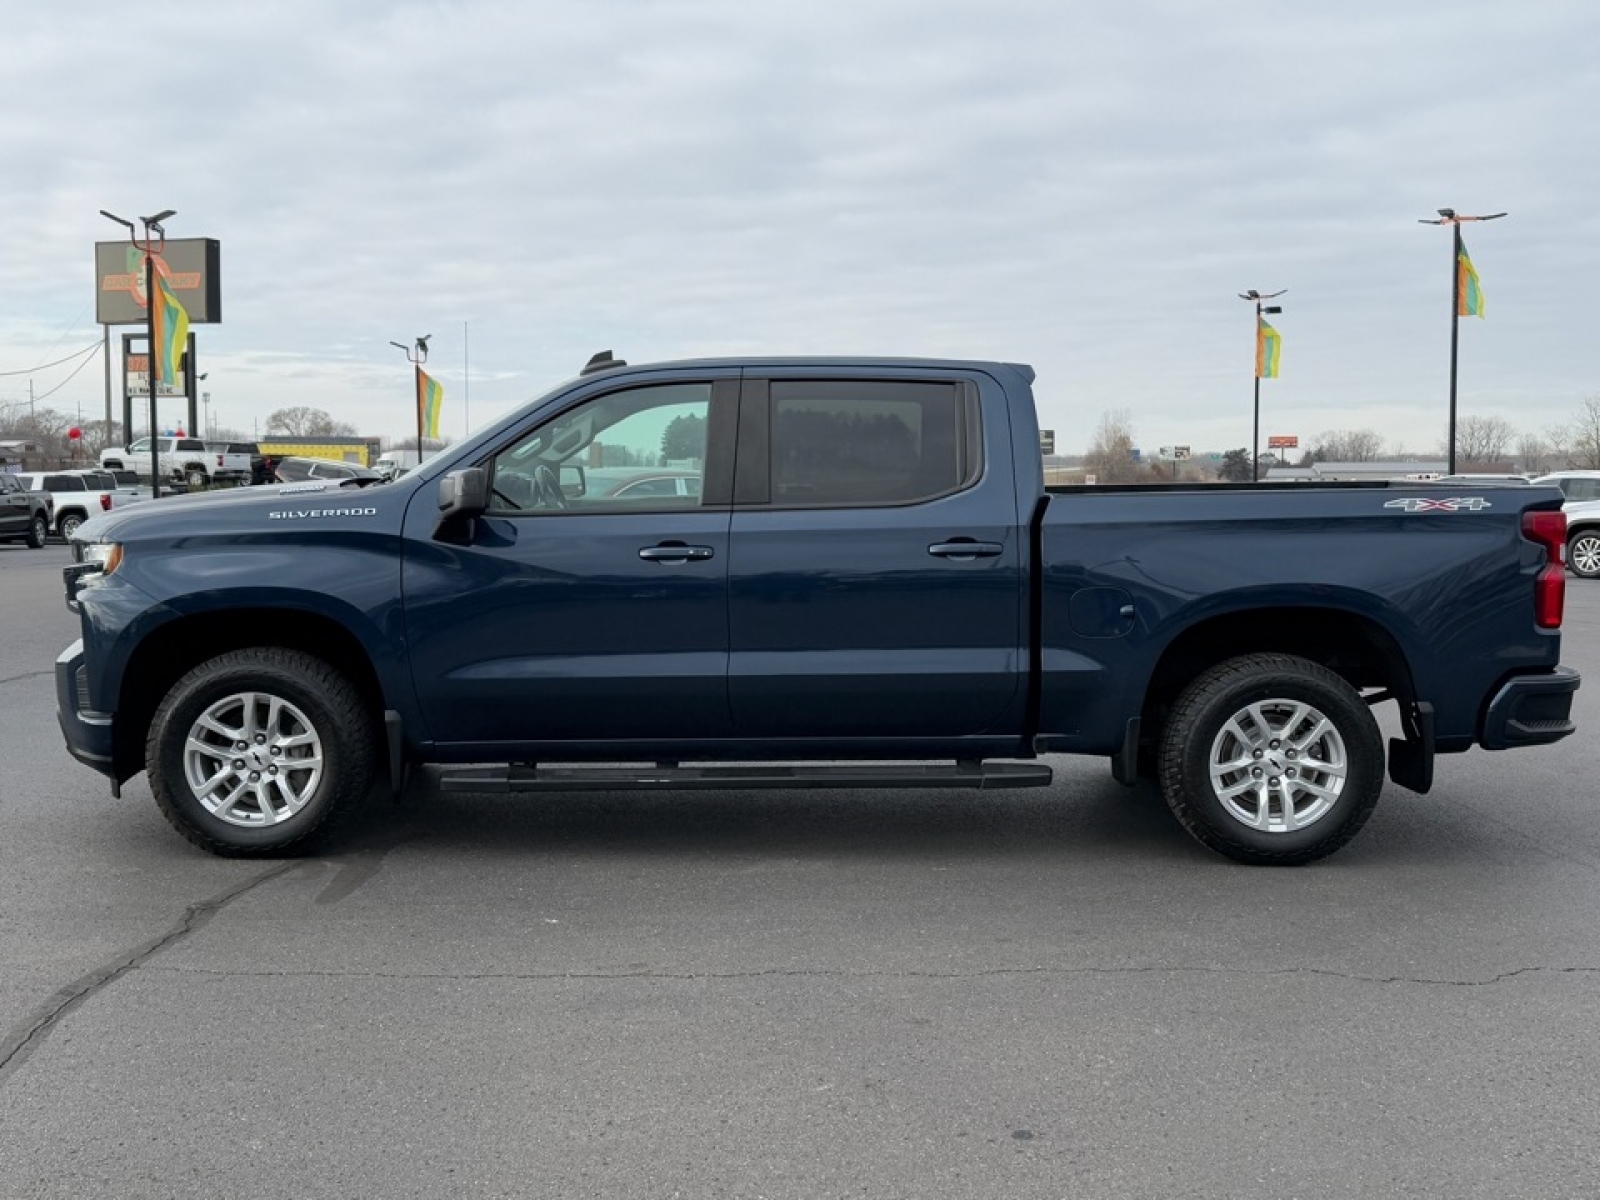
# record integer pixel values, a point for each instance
(359, 450)
(1347, 472)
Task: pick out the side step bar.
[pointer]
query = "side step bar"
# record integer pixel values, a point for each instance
(666, 779)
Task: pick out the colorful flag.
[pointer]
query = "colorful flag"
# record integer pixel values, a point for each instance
(1267, 345)
(171, 322)
(1468, 287)
(430, 399)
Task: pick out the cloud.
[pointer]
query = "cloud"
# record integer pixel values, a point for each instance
(1084, 188)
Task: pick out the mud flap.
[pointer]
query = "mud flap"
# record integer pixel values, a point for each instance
(1411, 757)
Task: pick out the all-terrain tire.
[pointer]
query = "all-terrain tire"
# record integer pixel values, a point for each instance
(38, 530)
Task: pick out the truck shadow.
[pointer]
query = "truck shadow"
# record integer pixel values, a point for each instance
(1075, 817)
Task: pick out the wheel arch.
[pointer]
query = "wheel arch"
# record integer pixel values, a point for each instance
(171, 650)
(1357, 648)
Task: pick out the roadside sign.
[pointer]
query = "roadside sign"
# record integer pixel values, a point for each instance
(1047, 441)
(1281, 441)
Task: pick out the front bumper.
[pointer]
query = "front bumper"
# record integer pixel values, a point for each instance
(88, 733)
(1530, 710)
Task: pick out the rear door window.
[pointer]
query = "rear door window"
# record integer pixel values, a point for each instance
(868, 442)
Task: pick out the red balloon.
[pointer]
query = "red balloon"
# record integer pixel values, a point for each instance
(74, 433)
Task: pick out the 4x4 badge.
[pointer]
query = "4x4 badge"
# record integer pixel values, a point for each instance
(1417, 504)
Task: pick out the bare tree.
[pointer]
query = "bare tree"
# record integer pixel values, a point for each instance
(303, 421)
(1110, 457)
(1583, 436)
(1533, 454)
(1482, 442)
(1347, 445)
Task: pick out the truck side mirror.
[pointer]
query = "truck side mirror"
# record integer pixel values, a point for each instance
(462, 495)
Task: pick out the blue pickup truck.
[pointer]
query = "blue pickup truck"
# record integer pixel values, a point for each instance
(701, 574)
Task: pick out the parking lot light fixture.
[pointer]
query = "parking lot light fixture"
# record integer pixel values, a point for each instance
(1449, 216)
(1256, 298)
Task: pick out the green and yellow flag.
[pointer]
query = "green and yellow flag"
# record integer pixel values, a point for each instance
(1268, 344)
(171, 322)
(1468, 287)
(430, 399)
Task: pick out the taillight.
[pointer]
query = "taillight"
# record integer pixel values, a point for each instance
(105, 501)
(1549, 529)
(219, 462)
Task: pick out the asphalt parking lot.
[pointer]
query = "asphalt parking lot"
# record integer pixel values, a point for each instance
(795, 994)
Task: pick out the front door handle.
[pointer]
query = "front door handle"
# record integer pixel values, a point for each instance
(675, 552)
(966, 551)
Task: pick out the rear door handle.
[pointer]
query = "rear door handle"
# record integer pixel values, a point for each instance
(966, 551)
(675, 552)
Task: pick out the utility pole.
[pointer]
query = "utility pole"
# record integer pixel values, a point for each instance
(1458, 267)
(1262, 364)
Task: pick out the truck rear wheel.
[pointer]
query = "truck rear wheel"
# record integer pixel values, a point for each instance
(1271, 759)
(38, 530)
(194, 478)
(253, 752)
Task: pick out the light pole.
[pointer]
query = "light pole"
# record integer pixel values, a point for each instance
(149, 251)
(416, 356)
(1264, 363)
(1459, 265)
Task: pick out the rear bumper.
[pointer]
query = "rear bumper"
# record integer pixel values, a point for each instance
(1530, 710)
(88, 733)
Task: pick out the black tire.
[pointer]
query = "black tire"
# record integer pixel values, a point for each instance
(38, 530)
(68, 524)
(194, 478)
(1583, 553)
(1243, 828)
(336, 714)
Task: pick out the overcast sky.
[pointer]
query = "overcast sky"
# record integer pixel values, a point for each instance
(1083, 187)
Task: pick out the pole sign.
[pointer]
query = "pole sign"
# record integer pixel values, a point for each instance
(1283, 442)
(136, 375)
(192, 267)
(1047, 441)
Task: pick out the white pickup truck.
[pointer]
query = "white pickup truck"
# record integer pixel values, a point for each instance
(77, 495)
(182, 459)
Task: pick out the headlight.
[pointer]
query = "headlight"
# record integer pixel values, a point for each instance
(105, 555)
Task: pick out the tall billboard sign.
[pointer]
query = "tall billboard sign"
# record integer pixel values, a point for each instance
(192, 267)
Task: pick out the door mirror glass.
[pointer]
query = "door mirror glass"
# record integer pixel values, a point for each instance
(463, 493)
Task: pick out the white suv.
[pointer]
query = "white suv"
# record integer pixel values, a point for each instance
(1574, 485)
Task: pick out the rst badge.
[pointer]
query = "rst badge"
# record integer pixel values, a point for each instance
(1419, 504)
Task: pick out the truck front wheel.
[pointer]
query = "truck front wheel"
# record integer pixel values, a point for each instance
(254, 751)
(1271, 759)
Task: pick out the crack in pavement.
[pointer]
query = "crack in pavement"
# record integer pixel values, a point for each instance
(28, 675)
(23, 1039)
(541, 976)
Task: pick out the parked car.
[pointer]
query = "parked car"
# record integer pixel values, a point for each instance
(1575, 485)
(875, 570)
(299, 470)
(183, 460)
(233, 452)
(639, 483)
(24, 513)
(392, 464)
(76, 495)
